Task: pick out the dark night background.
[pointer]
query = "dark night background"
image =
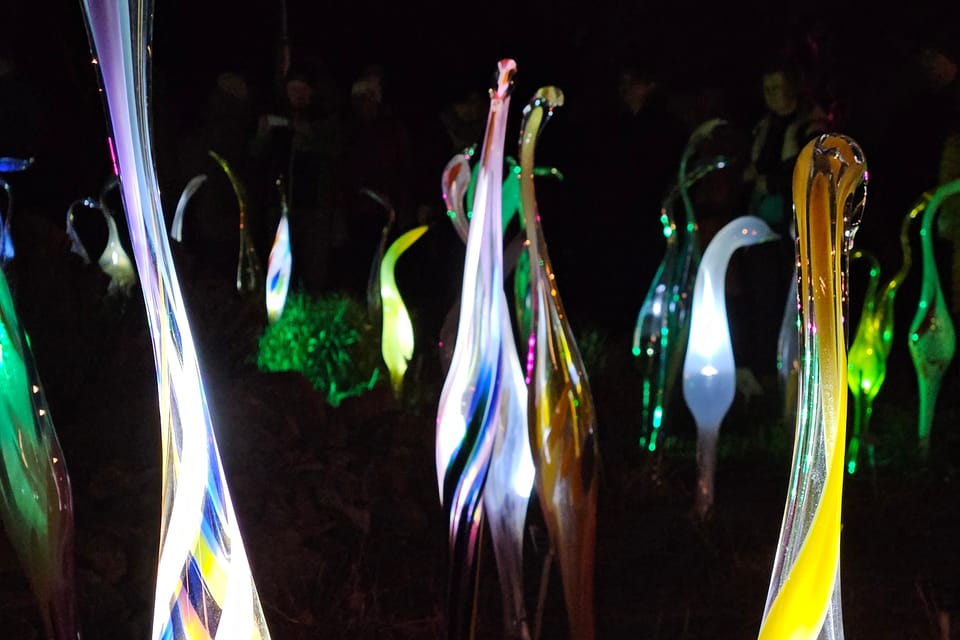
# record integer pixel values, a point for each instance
(338, 505)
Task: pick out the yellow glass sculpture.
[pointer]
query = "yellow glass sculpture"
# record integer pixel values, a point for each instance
(396, 343)
(563, 436)
(803, 602)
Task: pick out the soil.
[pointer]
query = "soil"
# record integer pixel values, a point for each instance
(338, 505)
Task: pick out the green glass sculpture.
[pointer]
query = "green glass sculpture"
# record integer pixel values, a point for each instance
(36, 503)
(866, 366)
(663, 323)
(870, 351)
(932, 340)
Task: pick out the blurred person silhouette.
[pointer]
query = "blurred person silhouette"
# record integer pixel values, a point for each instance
(790, 120)
(627, 159)
(225, 125)
(940, 65)
(304, 146)
(378, 160)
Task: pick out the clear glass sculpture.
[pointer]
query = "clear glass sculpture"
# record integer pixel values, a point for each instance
(396, 341)
(829, 187)
(6, 239)
(788, 344)
(932, 339)
(249, 271)
(709, 372)
(470, 398)
(204, 587)
(36, 503)
(113, 260)
(76, 244)
(374, 308)
(280, 262)
(663, 322)
(9, 165)
(510, 476)
(562, 421)
(457, 184)
(176, 227)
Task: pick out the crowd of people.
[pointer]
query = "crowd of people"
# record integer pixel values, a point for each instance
(351, 154)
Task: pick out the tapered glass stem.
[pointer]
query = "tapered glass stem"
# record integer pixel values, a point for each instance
(932, 340)
(561, 413)
(829, 187)
(204, 587)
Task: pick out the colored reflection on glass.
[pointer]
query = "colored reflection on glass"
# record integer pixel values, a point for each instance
(829, 187)
(932, 339)
(204, 588)
(709, 373)
(562, 422)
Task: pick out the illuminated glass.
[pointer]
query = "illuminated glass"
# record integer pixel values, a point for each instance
(829, 191)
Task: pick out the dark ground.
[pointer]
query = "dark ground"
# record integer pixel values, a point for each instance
(338, 505)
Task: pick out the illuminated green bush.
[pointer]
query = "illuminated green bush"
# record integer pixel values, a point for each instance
(328, 339)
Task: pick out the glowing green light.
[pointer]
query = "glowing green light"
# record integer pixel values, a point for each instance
(329, 340)
(636, 350)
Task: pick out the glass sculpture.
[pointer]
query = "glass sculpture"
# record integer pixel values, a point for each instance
(454, 184)
(14, 165)
(562, 422)
(76, 244)
(176, 227)
(506, 494)
(932, 339)
(204, 588)
(470, 398)
(36, 503)
(280, 262)
(249, 271)
(9, 165)
(709, 372)
(663, 322)
(788, 356)
(396, 341)
(457, 184)
(7, 252)
(868, 355)
(829, 187)
(113, 260)
(866, 364)
(374, 307)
